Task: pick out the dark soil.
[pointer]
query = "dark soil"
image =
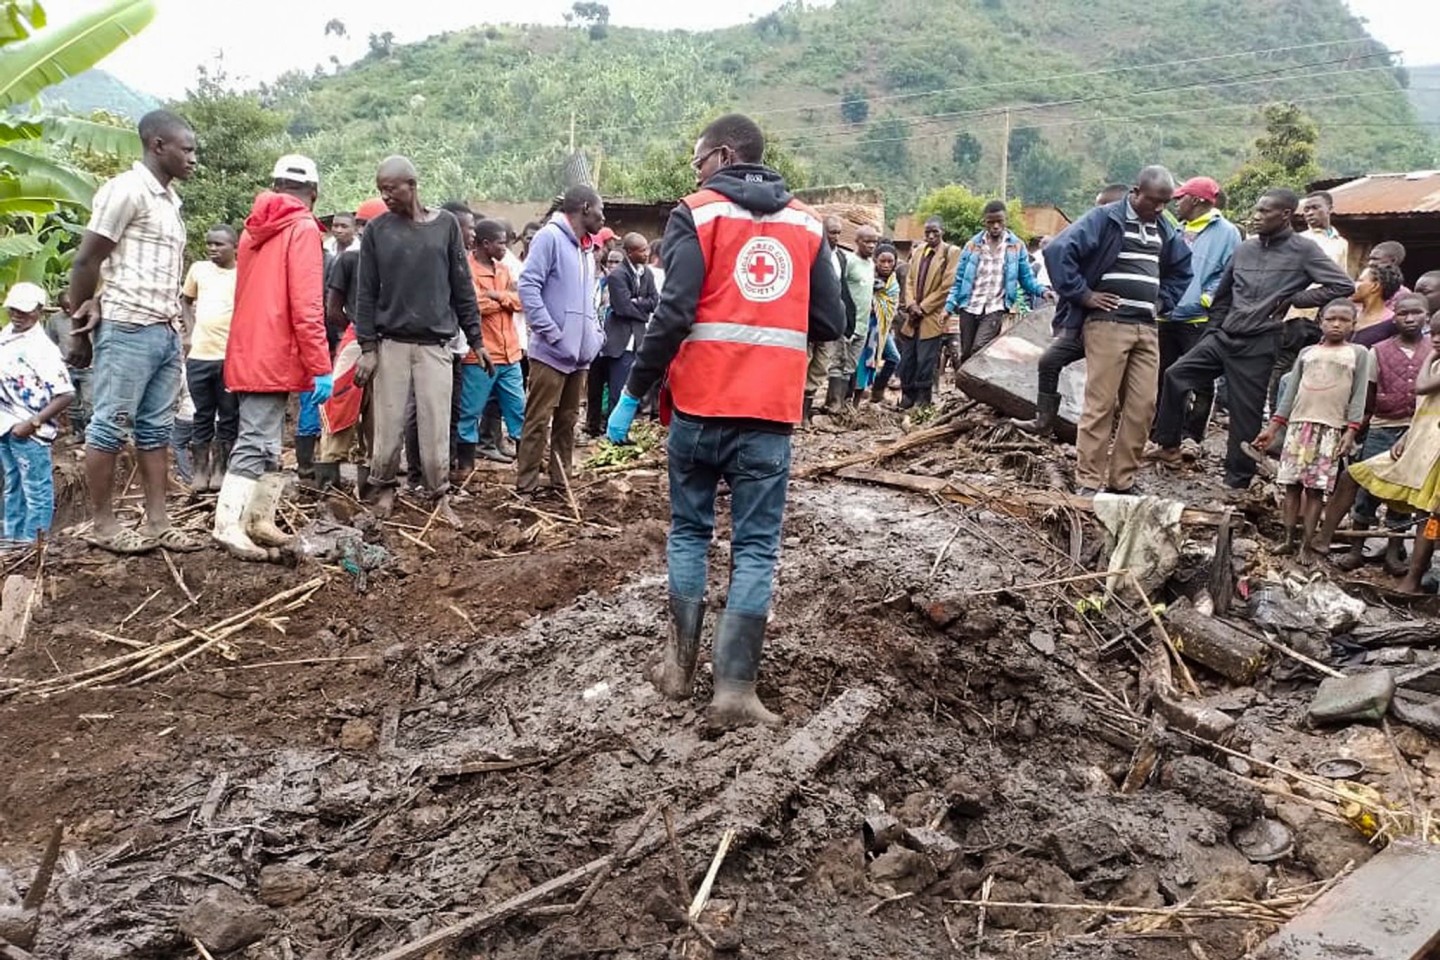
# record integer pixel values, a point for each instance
(327, 796)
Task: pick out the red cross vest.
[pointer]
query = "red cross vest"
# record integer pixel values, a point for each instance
(746, 355)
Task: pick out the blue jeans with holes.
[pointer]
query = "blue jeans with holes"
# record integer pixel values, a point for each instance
(756, 466)
(29, 489)
(136, 380)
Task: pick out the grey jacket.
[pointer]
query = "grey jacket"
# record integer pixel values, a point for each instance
(1269, 275)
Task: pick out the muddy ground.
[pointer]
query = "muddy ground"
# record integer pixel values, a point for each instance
(326, 810)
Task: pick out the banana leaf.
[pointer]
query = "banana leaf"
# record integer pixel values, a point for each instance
(69, 49)
(19, 18)
(87, 135)
(79, 185)
(33, 194)
(19, 245)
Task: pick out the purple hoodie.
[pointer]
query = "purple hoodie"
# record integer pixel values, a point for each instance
(557, 288)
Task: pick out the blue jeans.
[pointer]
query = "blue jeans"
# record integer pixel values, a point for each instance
(476, 387)
(1378, 440)
(309, 423)
(29, 489)
(136, 379)
(756, 465)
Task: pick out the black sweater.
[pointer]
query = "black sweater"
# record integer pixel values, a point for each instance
(414, 283)
(1269, 275)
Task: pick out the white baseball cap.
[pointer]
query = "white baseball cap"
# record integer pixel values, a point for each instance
(294, 167)
(26, 297)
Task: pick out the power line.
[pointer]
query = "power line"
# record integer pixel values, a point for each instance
(1105, 71)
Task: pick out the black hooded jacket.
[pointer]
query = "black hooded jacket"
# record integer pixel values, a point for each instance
(753, 187)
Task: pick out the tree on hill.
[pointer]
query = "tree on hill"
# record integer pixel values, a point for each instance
(595, 17)
(666, 174)
(1283, 156)
(963, 212)
(854, 108)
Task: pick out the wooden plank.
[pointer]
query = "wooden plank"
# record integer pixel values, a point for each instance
(1386, 910)
(1022, 503)
(743, 806)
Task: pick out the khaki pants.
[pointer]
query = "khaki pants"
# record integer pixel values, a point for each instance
(552, 408)
(426, 369)
(818, 372)
(1122, 370)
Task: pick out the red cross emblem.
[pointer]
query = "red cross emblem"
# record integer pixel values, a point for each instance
(761, 269)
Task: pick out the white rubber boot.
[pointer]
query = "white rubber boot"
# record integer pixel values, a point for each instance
(229, 532)
(259, 516)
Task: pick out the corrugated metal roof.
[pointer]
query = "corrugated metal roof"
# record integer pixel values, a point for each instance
(1397, 193)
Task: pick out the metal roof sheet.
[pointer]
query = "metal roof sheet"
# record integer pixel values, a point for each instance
(1379, 193)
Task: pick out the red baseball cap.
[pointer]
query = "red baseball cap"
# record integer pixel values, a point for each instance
(370, 209)
(1201, 188)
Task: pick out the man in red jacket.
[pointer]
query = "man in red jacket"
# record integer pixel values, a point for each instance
(277, 347)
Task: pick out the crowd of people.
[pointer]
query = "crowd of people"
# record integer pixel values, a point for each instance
(440, 336)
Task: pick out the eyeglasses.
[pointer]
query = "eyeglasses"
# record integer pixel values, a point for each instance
(699, 161)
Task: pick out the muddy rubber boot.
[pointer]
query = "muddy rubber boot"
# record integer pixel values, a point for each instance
(362, 482)
(1047, 411)
(229, 531)
(259, 517)
(327, 475)
(219, 463)
(464, 457)
(673, 673)
(807, 410)
(739, 641)
(199, 469)
(305, 457)
(834, 396)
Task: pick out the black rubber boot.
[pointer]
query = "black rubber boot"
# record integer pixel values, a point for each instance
(305, 457)
(836, 389)
(199, 468)
(464, 456)
(808, 410)
(327, 475)
(1047, 411)
(219, 462)
(362, 482)
(739, 642)
(673, 674)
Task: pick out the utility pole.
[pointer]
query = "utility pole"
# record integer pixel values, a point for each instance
(1005, 159)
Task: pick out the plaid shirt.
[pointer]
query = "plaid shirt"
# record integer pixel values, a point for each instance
(141, 277)
(988, 294)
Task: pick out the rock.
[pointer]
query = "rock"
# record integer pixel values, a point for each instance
(357, 736)
(282, 884)
(224, 920)
(1360, 696)
(1195, 717)
(1043, 641)
(1085, 845)
(905, 870)
(1140, 889)
(841, 868)
(967, 796)
(940, 848)
(942, 613)
(1424, 717)
(1213, 788)
(1326, 847)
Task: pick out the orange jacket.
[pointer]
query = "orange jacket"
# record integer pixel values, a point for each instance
(745, 357)
(277, 337)
(497, 314)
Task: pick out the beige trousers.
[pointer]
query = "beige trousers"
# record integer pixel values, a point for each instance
(1122, 371)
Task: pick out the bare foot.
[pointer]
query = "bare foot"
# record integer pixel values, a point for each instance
(385, 503)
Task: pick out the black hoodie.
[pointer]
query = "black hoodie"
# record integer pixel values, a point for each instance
(753, 187)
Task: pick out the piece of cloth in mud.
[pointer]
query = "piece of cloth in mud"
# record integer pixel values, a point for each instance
(1143, 536)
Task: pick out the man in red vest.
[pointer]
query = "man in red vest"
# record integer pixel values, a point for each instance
(748, 283)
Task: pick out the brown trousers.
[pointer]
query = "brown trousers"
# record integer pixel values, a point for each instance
(552, 408)
(1122, 370)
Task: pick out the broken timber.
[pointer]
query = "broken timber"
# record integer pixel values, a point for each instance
(908, 442)
(1022, 504)
(743, 806)
(1213, 643)
(1383, 911)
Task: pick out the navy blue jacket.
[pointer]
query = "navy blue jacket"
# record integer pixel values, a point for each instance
(1081, 254)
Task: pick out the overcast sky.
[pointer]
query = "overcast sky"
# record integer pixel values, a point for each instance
(262, 38)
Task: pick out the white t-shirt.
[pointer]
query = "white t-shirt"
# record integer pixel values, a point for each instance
(32, 373)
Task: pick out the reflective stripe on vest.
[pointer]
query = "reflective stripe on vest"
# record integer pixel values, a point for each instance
(746, 354)
(743, 333)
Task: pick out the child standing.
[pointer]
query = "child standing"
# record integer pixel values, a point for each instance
(1322, 407)
(34, 390)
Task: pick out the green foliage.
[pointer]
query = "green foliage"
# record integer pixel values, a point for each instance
(854, 108)
(238, 143)
(963, 212)
(667, 175)
(1045, 175)
(1283, 156)
(51, 165)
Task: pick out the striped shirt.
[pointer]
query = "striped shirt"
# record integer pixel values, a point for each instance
(1135, 275)
(141, 278)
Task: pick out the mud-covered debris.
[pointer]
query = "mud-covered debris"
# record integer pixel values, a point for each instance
(903, 869)
(1195, 717)
(880, 830)
(283, 884)
(1264, 840)
(1203, 783)
(357, 736)
(968, 797)
(1214, 643)
(940, 848)
(1081, 847)
(225, 920)
(1360, 696)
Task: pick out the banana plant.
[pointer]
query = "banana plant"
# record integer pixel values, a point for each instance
(43, 198)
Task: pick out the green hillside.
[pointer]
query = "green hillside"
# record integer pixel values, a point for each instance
(97, 90)
(905, 95)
